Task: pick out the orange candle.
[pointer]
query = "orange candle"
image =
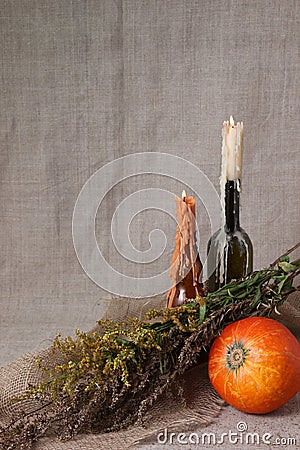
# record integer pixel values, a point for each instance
(186, 265)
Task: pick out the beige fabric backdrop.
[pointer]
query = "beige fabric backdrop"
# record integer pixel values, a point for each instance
(84, 82)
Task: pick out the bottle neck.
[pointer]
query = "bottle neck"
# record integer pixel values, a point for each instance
(232, 205)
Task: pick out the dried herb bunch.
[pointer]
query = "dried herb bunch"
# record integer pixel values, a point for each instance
(110, 378)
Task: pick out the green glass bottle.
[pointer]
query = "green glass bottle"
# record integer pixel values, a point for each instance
(230, 251)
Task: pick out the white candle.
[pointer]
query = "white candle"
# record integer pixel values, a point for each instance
(232, 150)
(232, 153)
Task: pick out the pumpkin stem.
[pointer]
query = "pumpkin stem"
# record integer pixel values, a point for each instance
(236, 355)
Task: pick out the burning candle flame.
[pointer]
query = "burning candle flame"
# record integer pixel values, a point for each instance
(231, 121)
(183, 195)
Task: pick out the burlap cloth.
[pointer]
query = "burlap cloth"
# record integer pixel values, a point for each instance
(201, 403)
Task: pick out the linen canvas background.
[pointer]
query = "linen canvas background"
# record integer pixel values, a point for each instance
(84, 82)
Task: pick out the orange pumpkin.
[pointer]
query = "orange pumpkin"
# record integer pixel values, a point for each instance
(254, 365)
